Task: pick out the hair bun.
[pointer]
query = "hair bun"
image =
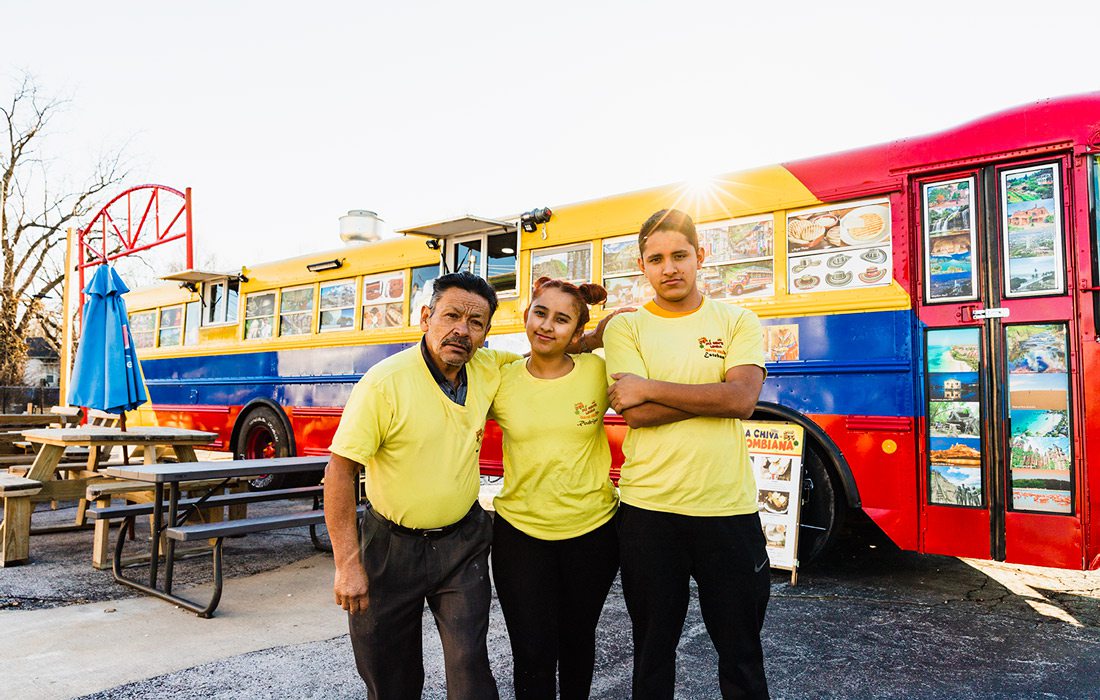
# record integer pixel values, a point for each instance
(593, 293)
(537, 286)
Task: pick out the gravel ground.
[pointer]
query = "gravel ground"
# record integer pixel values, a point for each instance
(870, 622)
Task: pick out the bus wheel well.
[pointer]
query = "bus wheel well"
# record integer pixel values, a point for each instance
(242, 417)
(262, 430)
(814, 434)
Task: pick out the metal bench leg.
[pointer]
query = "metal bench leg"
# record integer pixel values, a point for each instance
(204, 611)
(313, 536)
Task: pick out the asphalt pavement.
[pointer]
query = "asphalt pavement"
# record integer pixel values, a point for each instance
(868, 622)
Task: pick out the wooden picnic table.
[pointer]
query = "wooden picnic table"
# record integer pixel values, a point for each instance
(166, 512)
(52, 442)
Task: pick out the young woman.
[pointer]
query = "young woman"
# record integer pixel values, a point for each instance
(555, 552)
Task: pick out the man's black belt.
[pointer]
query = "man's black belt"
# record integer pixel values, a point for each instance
(431, 532)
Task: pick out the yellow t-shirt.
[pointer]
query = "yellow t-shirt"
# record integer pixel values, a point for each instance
(556, 458)
(698, 466)
(420, 448)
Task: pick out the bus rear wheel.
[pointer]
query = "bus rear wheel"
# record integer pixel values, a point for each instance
(823, 506)
(262, 435)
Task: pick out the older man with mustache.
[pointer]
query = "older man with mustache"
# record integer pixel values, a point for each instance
(414, 423)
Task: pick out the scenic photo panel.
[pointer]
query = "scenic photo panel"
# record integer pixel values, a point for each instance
(1040, 446)
(950, 241)
(1031, 231)
(954, 417)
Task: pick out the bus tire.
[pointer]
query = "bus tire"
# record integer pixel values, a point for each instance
(823, 507)
(262, 435)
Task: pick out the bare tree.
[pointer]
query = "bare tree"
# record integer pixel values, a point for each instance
(35, 209)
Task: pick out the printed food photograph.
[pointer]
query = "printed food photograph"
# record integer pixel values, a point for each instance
(773, 501)
(840, 247)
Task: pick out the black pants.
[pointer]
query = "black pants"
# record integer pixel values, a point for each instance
(726, 556)
(552, 593)
(451, 573)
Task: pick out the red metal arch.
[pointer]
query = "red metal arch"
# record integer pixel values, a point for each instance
(161, 209)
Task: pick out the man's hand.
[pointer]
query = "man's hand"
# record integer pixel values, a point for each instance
(351, 588)
(627, 391)
(341, 484)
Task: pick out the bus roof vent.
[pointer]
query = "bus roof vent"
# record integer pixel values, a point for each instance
(360, 226)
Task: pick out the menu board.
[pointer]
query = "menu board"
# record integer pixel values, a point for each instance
(842, 246)
(954, 417)
(1041, 457)
(776, 453)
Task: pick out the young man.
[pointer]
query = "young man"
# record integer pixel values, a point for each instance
(685, 371)
(415, 423)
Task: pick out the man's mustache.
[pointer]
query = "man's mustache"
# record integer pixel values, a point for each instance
(459, 342)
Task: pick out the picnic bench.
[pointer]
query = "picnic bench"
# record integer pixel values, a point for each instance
(170, 514)
(52, 443)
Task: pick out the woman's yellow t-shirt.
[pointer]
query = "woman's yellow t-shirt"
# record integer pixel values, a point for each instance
(556, 457)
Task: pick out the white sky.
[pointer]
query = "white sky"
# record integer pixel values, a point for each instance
(284, 116)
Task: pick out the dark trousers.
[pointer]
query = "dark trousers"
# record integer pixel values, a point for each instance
(551, 593)
(403, 571)
(726, 556)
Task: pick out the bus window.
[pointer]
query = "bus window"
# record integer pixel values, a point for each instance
(625, 283)
(171, 326)
(259, 315)
(142, 328)
(191, 317)
(384, 300)
(1095, 167)
(220, 299)
(232, 299)
(337, 306)
(738, 259)
(500, 262)
(296, 311)
(573, 263)
(421, 291)
(492, 258)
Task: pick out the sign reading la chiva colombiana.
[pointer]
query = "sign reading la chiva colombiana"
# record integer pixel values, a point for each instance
(776, 453)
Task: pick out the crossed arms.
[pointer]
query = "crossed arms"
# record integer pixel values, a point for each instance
(648, 402)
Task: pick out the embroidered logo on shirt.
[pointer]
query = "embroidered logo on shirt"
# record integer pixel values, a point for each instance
(587, 414)
(480, 434)
(713, 348)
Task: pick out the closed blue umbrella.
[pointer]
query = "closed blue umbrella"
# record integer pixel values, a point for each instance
(107, 375)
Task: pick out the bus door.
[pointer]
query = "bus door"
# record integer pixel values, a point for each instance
(998, 472)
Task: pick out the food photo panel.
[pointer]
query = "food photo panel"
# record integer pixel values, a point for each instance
(383, 300)
(840, 247)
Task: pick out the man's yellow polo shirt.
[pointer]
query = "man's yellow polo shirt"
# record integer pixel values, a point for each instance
(556, 457)
(420, 448)
(698, 466)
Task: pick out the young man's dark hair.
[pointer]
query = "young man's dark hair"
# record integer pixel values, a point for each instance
(668, 220)
(466, 281)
